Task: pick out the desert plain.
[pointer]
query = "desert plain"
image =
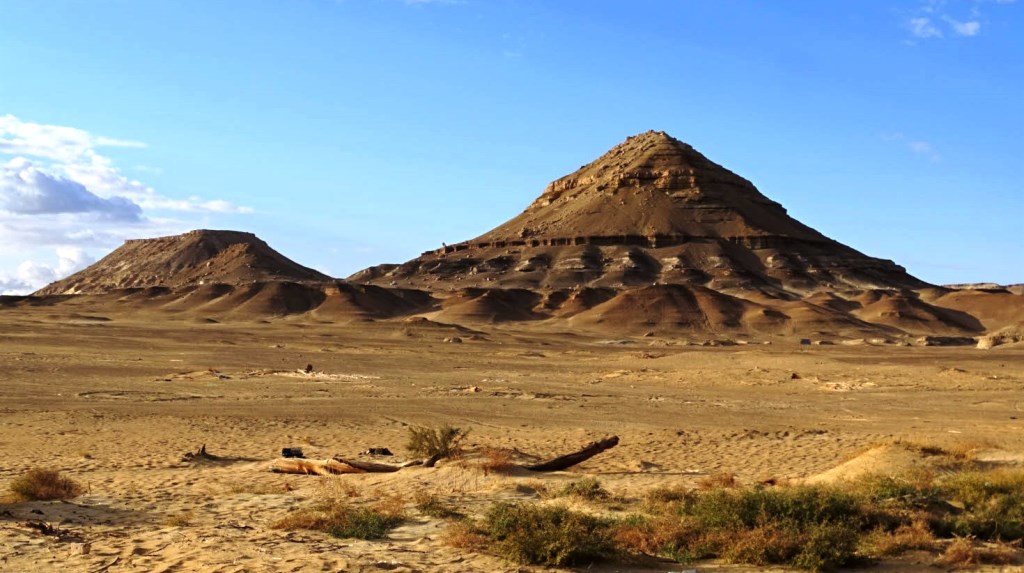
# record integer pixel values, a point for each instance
(113, 398)
(652, 295)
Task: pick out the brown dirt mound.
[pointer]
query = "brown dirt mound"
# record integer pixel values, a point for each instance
(475, 305)
(679, 307)
(914, 315)
(993, 309)
(346, 300)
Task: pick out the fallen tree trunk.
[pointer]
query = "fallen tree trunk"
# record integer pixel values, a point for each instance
(339, 465)
(312, 467)
(567, 461)
(374, 467)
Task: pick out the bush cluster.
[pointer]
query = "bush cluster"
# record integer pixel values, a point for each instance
(814, 528)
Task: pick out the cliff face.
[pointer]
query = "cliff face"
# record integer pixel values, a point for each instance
(193, 258)
(651, 210)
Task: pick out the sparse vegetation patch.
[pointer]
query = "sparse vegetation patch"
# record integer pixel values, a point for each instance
(341, 519)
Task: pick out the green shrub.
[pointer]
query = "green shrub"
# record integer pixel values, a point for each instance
(546, 535)
(992, 501)
(801, 506)
(340, 519)
(442, 441)
(586, 488)
(812, 528)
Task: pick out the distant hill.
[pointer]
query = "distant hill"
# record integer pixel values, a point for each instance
(193, 258)
(650, 238)
(652, 210)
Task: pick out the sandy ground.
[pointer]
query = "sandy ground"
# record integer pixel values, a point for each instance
(114, 401)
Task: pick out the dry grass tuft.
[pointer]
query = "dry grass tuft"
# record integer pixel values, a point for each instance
(880, 543)
(497, 460)
(721, 480)
(960, 554)
(44, 485)
(338, 487)
(183, 519)
(432, 505)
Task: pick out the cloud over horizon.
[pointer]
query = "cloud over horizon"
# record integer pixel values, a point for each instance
(935, 19)
(58, 191)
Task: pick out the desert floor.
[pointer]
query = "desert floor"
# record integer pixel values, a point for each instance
(114, 401)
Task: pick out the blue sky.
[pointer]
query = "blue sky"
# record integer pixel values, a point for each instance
(348, 133)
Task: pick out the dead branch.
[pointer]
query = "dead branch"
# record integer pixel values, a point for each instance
(569, 460)
(199, 454)
(371, 467)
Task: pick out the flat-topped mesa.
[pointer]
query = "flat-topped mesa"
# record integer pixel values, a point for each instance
(192, 258)
(652, 209)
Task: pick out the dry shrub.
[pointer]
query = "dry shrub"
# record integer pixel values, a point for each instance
(967, 553)
(429, 441)
(43, 485)
(960, 554)
(465, 536)
(720, 480)
(907, 537)
(664, 535)
(497, 460)
(967, 450)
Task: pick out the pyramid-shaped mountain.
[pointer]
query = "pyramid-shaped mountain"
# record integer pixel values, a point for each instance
(193, 258)
(651, 211)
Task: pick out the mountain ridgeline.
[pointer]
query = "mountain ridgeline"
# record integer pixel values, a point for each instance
(652, 237)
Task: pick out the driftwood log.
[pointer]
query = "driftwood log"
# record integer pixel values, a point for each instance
(568, 460)
(339, 465)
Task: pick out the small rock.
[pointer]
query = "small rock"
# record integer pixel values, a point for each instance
(453, 340)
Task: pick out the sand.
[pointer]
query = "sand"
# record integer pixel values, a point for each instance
(114, 401)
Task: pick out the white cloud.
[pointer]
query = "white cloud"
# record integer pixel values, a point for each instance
(917, 146)
(948, 18)
(923, 27)
(59, 194)
(33, 275)
(26, 189)
(969, 28)
(71, 153)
